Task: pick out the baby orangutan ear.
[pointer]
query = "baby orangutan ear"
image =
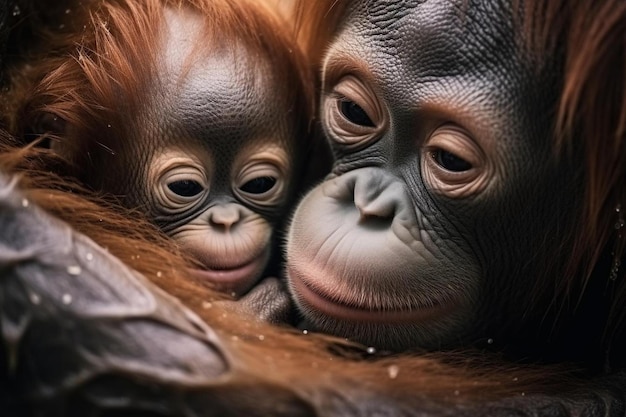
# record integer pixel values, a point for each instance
(50, 129)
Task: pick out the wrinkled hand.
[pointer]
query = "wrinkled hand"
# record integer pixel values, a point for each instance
(269, 301)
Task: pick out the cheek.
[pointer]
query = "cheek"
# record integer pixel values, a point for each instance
(525, 217)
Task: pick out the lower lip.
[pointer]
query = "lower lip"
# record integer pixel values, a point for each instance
(238, 280)
(324, 305)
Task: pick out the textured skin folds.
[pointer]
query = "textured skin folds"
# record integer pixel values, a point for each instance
(474, 217)
(405, 233)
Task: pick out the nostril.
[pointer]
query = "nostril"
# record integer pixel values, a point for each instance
(376, 216)
(378, 206)
(369, 212)
(372, 197)
(375, 197)
(375, 222)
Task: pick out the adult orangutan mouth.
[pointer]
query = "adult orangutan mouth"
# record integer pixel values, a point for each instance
(238, 279)
(316, 299)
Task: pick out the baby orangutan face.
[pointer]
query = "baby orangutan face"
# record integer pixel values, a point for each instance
(221, 149)
(222, 210)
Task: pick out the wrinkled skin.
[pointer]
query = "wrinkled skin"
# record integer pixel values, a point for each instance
(238, 161)
(174, 388)
(126, 346)
(439, 126)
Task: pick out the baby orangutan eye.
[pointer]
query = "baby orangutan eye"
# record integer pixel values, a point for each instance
(259, 185)
(180, 181)
(261, 182)
(185, 188)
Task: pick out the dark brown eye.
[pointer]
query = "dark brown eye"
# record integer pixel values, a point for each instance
(355, 113)
(185, 188)
(258, 185)
(450, 161)
(352, 114)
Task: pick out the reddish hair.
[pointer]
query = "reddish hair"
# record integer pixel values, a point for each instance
(591, 111)
(102, 71)
(299, 363)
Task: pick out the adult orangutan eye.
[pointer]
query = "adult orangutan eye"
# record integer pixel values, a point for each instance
(185, 188)
(453, 163)
(259, 185)
(450, 161)
(353, 115)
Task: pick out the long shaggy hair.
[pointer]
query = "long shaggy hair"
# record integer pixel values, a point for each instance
(324, 371)
(104, 66)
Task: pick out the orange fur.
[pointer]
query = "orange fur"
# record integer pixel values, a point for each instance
(78, 89)
(304, 364)
(591, 114)
(99, 76)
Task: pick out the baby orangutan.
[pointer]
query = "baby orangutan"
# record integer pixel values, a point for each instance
(196, 112)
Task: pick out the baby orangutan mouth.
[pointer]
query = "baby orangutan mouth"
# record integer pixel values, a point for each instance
(237, 279)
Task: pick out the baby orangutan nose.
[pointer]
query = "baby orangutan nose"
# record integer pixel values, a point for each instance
(224, 217)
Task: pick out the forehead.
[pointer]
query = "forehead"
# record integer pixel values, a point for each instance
(214, 91)
(433, 40)
(452, 32)
(461, 55)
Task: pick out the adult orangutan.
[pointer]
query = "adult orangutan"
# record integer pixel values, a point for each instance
(473, 107)
(478, 188)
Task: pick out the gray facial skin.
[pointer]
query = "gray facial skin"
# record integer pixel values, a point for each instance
(428, 221)
(219, 137)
